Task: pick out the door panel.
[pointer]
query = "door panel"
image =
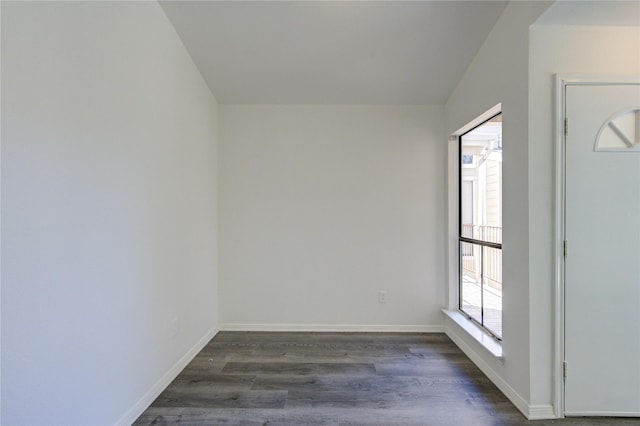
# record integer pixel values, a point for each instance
(602, 282)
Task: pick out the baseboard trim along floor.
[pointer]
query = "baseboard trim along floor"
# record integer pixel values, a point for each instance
(147, 399)
(531, 412)
(348, 328)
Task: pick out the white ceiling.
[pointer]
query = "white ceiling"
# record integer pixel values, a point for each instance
(605, 13)
(333, 52)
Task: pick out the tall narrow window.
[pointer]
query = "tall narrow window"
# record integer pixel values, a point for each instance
(480, 235)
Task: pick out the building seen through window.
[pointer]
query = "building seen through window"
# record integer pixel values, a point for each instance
(480, 233)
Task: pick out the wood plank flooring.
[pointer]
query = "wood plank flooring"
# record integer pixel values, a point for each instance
(251, 378)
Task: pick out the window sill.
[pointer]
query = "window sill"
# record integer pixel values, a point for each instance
(483, 338)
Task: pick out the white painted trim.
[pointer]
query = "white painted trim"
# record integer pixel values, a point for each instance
(452, 217)
(598, 80)
(541, 412)
(517, 400)
(483, 338)
(143, 403)
(605, 414)
(561, 82)
(334, 327)
(558, 252)
(453, 208)
(494, 110)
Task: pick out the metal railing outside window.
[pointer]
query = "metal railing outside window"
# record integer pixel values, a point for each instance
(480, 237)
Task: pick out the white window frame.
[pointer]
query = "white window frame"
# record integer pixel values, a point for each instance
(493, 346)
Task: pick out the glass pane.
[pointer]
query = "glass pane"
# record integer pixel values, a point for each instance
(481, 182)
(470, 280)
(492, 289)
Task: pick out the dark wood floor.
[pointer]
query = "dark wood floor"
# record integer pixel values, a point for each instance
(336, 379)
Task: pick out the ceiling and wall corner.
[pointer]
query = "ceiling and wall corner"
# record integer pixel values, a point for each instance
(611, 13)
(326, 52)
(330, 53)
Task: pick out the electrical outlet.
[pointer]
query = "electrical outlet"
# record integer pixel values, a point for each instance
(382, 296)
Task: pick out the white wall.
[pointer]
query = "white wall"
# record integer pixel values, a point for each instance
(498, 74)
(565, 50)
(109, 210)
(323, 206)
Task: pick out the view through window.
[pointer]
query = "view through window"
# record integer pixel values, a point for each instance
(480, 234)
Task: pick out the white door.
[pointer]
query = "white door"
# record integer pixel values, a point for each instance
(602, 281)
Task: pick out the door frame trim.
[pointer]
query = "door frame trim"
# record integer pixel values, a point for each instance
(561, 81)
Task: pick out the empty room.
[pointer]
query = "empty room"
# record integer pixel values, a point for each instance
(320, 212)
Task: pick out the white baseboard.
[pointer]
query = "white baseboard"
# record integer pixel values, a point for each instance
(535, 412)
(138, 408)
(541, 412)
(334, 327)
(603, 414)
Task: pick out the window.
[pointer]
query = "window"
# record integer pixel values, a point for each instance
(480, 230)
